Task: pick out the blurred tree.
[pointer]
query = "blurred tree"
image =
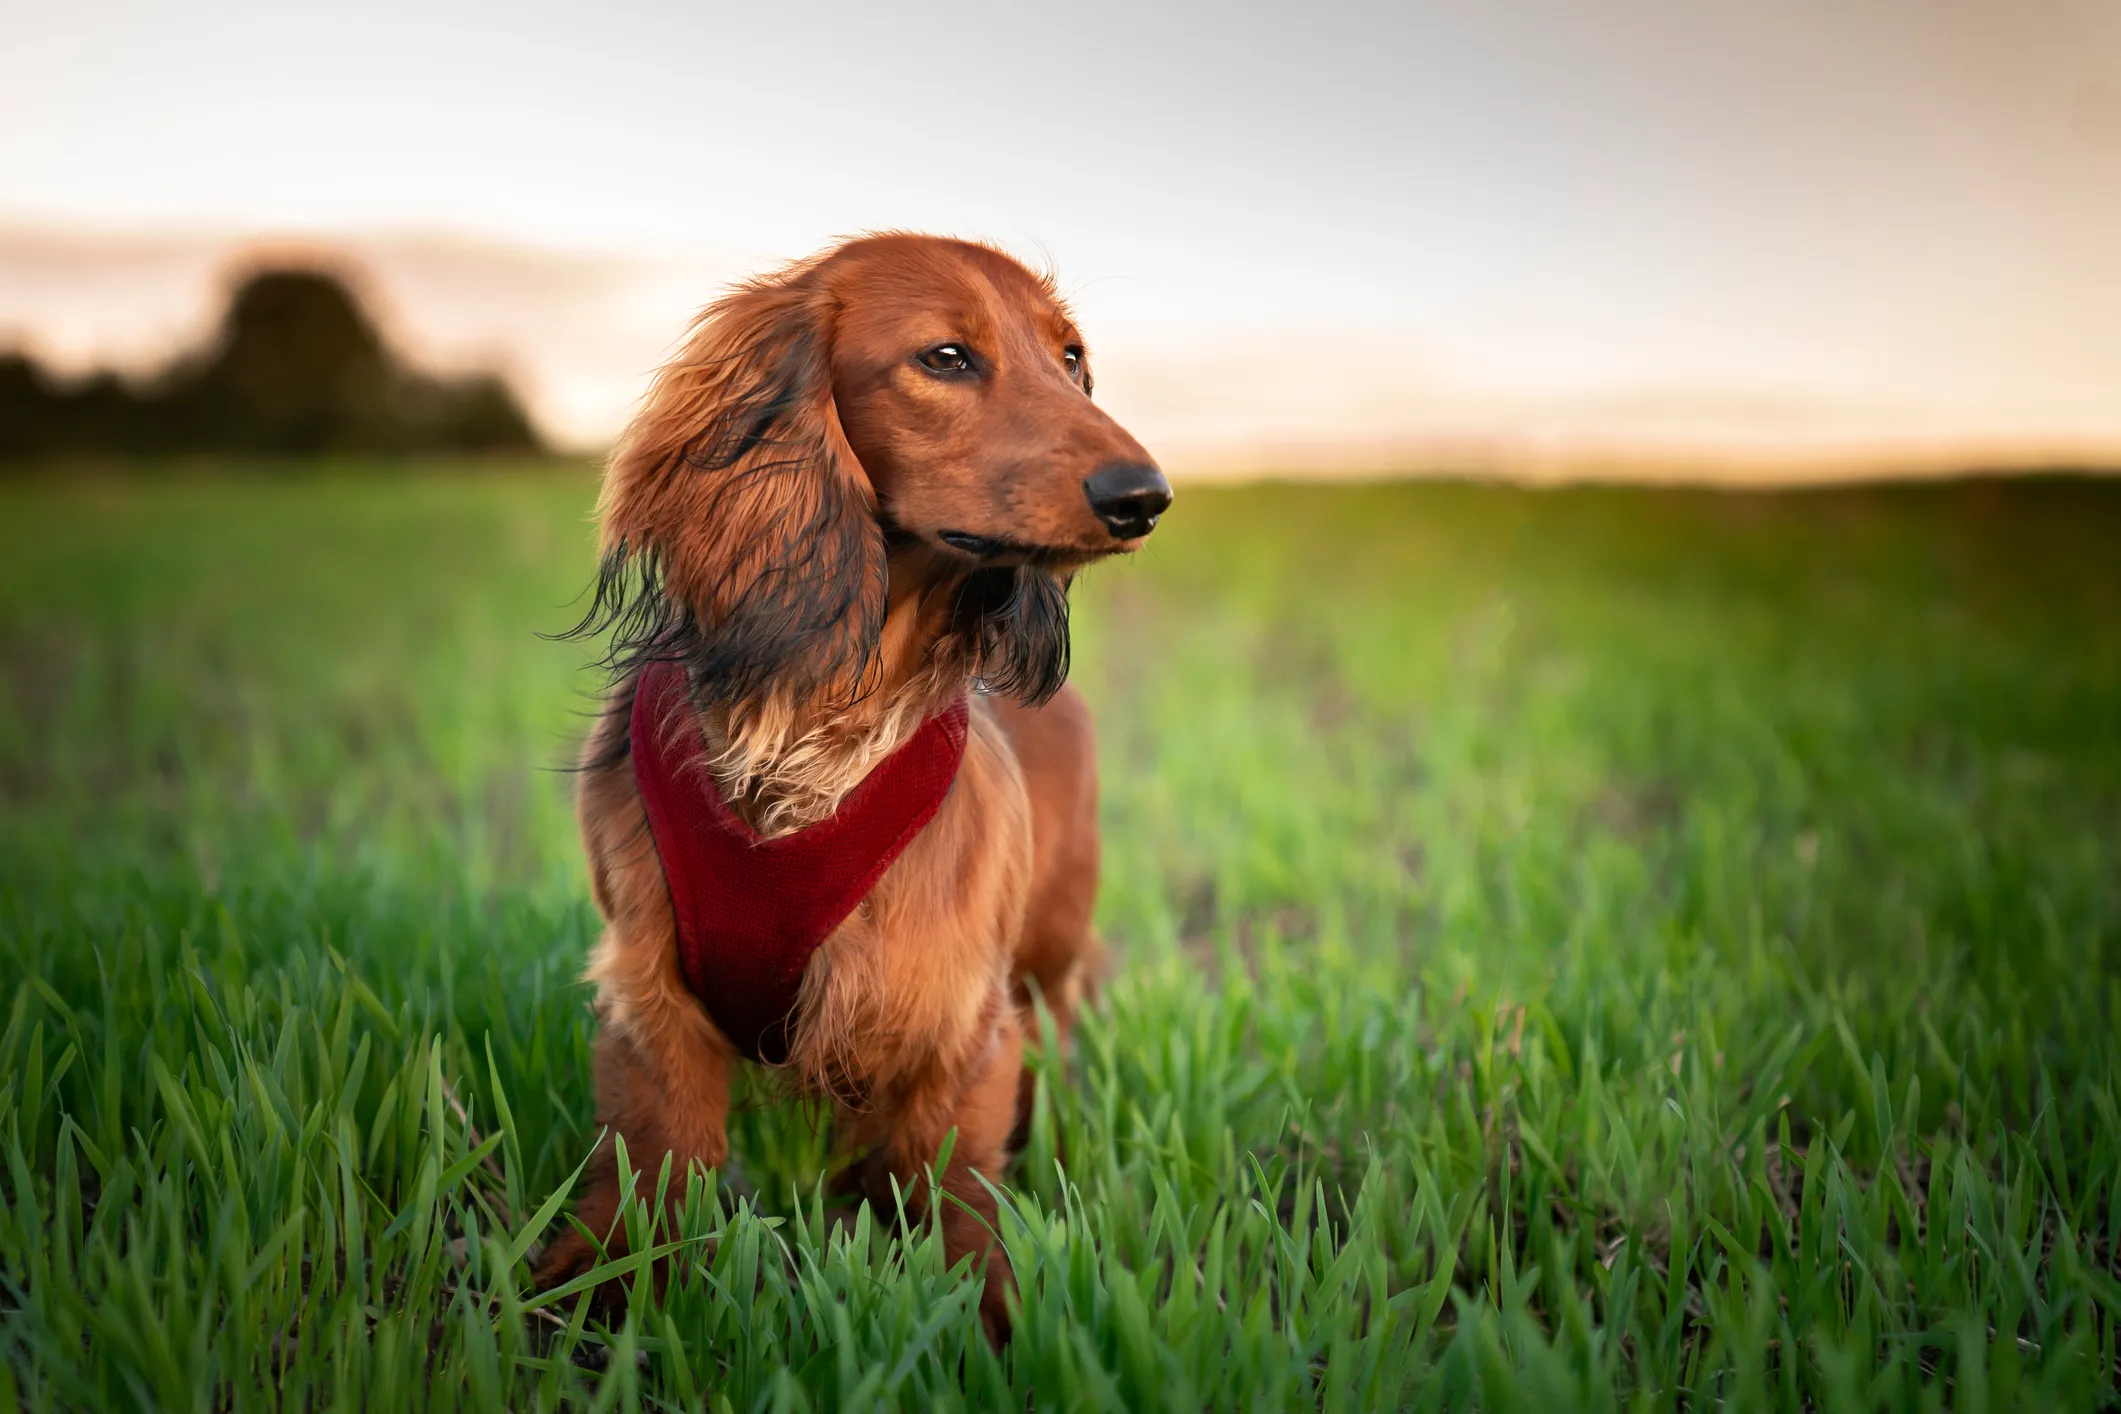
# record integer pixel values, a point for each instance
(297, 368)
(26, 406)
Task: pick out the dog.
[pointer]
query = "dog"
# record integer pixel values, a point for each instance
(840, 805)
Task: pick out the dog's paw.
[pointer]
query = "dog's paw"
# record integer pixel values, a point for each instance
(564, 1258)
(571, 1255)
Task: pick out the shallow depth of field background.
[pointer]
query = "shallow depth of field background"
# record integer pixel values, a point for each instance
(1571, 949)
(1578, 942)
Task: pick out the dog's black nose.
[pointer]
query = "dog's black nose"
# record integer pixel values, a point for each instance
(1128, 497)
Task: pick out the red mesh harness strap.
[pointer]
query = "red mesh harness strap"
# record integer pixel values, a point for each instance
(750, 912)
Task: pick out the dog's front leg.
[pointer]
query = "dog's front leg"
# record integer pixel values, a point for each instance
(980, 1104)
(662, 1082)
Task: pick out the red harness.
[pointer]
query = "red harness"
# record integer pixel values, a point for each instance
(750, 912)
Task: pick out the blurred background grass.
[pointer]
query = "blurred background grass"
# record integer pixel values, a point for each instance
(1571, 946)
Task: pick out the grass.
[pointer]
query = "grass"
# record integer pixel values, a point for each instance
(1600, 949)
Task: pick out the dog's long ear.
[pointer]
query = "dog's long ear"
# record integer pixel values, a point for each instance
(740, 534)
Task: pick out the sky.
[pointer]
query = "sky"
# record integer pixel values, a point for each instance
(1807, 232)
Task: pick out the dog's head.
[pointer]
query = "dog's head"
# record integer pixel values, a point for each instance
(901, 401)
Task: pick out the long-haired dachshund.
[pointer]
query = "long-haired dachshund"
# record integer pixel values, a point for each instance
(840, 809)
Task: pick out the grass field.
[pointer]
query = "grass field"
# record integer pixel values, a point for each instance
(1597, 949)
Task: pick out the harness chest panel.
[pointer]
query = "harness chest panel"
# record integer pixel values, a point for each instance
(751, 911)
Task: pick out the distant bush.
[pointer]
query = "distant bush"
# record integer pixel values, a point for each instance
(297, 368)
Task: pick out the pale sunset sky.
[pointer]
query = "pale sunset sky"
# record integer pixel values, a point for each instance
(1775, 237)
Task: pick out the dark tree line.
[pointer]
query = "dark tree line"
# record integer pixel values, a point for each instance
(296, 368)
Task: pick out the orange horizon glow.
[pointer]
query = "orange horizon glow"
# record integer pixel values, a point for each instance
(579, 333)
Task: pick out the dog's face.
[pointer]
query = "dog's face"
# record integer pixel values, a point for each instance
(964, 390)
(903, 406)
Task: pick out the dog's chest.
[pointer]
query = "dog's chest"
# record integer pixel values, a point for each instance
(752, 913)
(891, 993)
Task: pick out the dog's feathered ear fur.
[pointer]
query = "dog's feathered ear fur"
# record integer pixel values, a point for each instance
(740, 535)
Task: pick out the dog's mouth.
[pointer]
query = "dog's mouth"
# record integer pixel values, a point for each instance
(984, 547)
(1001, 550)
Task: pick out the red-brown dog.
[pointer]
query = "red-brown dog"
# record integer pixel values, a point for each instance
(860, 493)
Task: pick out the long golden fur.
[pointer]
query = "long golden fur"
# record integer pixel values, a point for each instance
(863, 486)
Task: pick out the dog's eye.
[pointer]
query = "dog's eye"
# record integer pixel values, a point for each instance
(947, 358)
(1072, 360)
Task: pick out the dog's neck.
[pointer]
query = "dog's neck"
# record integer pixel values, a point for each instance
(787, 759)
